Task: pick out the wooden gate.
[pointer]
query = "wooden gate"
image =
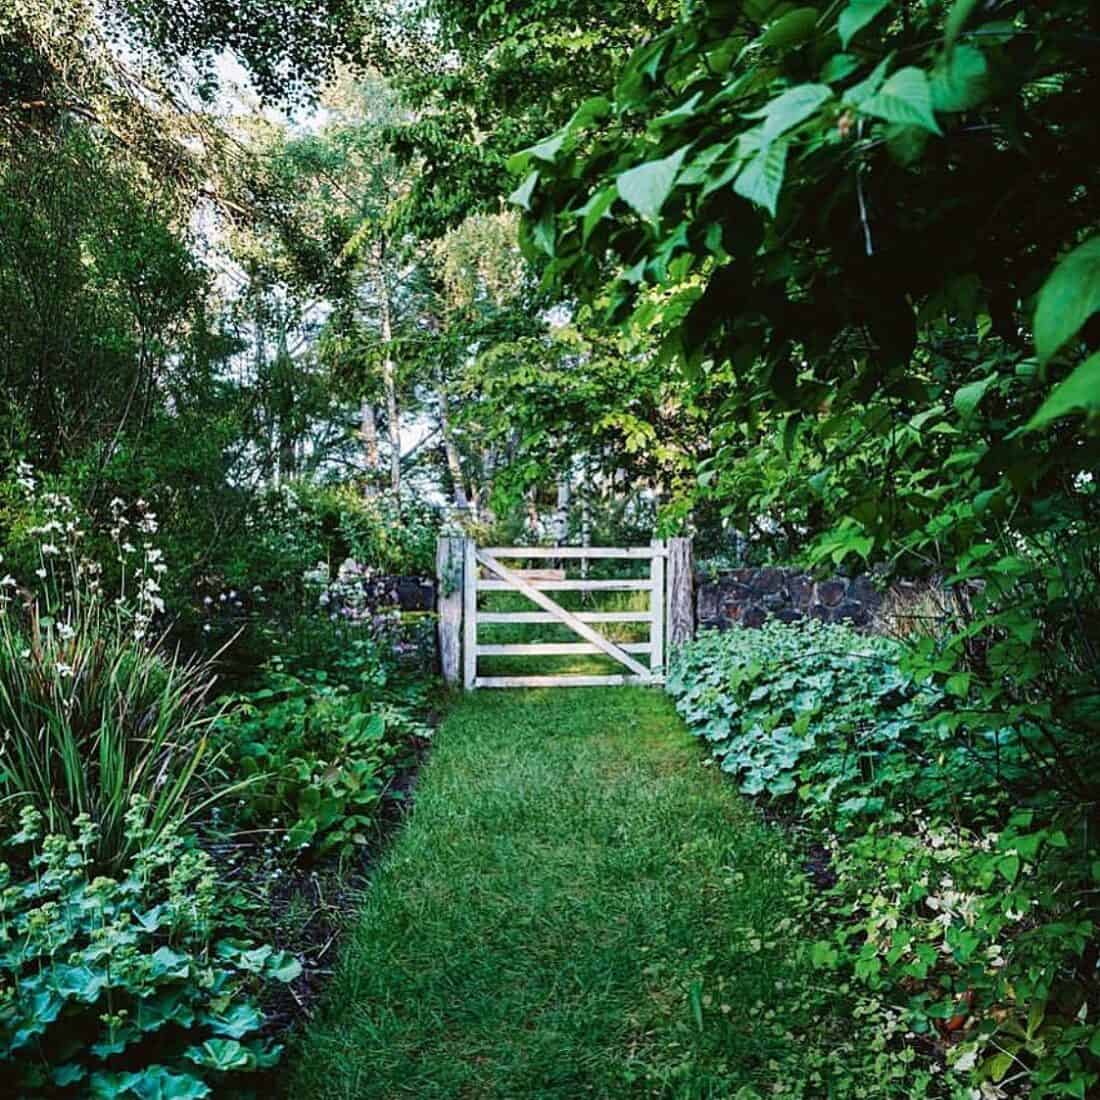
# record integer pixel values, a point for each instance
(485, 570)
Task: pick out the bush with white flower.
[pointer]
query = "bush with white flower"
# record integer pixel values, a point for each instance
(94, 709)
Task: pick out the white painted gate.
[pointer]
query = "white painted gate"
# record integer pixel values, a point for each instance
(643, 662)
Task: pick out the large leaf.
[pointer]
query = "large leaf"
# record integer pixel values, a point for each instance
(906, 97)
(969, 397)
(859, 93)
(792, 28)
(762, 177)
(856, 16)
(595, 209)
(794, 106)
(960, 81)
(1068, 299)
(645, 188)
(1080, 392)
(521, 196)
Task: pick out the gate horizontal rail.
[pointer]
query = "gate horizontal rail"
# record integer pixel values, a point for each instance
(568, 586)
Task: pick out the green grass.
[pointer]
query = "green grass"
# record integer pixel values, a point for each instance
(576, 907)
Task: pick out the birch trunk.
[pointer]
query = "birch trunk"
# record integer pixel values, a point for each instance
(368, 432)
(389, 379)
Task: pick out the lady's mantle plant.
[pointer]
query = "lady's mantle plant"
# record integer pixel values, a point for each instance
(124, 985)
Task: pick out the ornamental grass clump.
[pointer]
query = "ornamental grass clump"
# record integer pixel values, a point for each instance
(94, 709)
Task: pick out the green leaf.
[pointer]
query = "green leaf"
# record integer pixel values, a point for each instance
(167, 963)
(1068, 299)
(220, 1054)
(792, 28)
(856, 16)
(969, 397)
(679, 114)
(1009, 866)
(283, 967)
(645, 188)
(866, 88)
(593, 211)
(762, 177)
(591, 110)
(236, 1022)
(789, 109)
(956, 19)
(996, 1067)
(960, 82)
(521, 196)
(1080, 392)
(838, 67)
(905, 97)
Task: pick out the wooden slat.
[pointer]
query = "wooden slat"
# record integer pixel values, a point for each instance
(553, 649)
(542, 574)
(469, 615)
(631, 552)
(657, 607)
(640, 585)
(563, 681)
(546, 617)
(567, 617)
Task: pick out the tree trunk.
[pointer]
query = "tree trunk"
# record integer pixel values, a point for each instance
(454, 463)
(389, 373)
(368, 432)
(561, 515)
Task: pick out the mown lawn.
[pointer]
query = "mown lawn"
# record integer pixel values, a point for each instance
(576, 907)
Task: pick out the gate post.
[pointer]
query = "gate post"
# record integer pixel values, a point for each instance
(657, 608)
(448, 573)
(469, 614)
(681, 592)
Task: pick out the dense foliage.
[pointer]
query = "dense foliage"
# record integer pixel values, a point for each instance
(136, 984)
(954, 911)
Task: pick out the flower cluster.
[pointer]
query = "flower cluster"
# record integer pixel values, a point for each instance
(67, 577)
(147, 564)
(357, 594)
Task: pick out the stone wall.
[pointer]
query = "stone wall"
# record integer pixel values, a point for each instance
(748, 597)
(411, 593)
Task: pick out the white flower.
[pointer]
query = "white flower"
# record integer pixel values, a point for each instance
(127, 547)
(63, 669)
(65, 631)
(208, 600)
(7, 582)
(49, 550)
(40, 573)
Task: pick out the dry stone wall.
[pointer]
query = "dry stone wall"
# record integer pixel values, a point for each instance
(748, 597)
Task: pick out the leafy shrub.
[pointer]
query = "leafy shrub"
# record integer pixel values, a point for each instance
(124, 986)
(318, 755)
(817, 710)
(957, 912)
(95, 713)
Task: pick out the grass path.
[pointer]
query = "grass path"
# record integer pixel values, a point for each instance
(576, 908)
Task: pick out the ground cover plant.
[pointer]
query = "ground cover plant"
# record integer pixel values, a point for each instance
(955, 908)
